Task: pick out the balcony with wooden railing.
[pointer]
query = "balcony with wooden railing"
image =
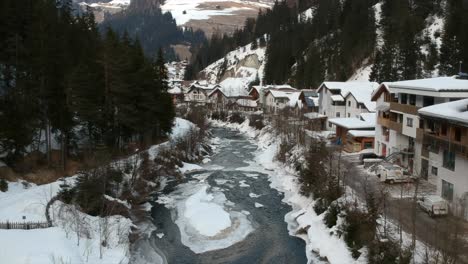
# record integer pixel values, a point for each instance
(404, 108)
(436, 142)
(388, 123)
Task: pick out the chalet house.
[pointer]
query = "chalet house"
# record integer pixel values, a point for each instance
(345, 99)
(310, 100)
(444, 131)
(399, 129)
(355, 130)
(199, 91)
(259, 92)
(228, 93)
(278, 99)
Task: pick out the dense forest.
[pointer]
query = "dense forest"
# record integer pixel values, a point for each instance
(341, 37)
(62, 81)
(144, 20)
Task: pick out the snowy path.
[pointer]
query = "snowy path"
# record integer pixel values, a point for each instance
(225, 212)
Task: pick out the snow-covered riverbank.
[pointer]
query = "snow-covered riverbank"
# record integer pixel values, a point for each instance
(76, 237)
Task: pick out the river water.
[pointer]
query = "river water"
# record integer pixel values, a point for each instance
(269, 242)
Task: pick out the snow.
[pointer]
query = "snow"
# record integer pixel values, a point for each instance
(292, 96)
(18, 202)
(362, 133)
(259, 205)
(253, 195)
(352, 123)
(233, 87)
(188, 167)
(307, 15)
(363, 96)
(206, 219)
(160, 235)
(243, 184)
(455, 111)
(361, 90)
(242, 63)
(181, 127)
(337, 98)
(193, 12)
(61, 246)
(362, 74)
(439, 84)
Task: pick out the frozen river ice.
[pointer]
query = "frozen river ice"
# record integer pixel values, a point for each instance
(223, 213)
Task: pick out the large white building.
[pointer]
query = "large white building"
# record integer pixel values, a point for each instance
(445, 150)
(398, 129)
(346, 99)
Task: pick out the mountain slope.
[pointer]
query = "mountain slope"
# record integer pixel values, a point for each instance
(244, 62)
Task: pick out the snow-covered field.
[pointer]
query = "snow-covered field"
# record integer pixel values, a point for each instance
(75, 237)
(185, 10)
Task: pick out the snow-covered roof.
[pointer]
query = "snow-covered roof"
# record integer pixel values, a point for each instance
(363, 96)
(337, 98)
(271, 86)
(439, 84)
(247, 102)
(354, 122)
(313, 115)
(456, 111)
(370, 118)
(233, 87)
(175, 90)
(362, 91)
(292, 96)
(362, 133)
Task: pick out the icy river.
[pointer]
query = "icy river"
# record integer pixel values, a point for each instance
(225, 212)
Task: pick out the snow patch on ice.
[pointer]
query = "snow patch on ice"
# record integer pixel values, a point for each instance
(206, 218)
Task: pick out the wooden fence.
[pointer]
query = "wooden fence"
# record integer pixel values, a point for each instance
(23, 225)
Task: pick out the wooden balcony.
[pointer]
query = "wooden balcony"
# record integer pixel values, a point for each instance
(404, 108)
(390, 124)
(438, 142)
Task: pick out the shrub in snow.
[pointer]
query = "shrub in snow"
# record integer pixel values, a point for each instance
(3, 185)
(236, 117)
(256, 121)
(358, 229)
(331, 217)
(388, 251)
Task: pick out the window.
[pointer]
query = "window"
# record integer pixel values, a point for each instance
(404, 98)
(349, 115)
(368, 145)
(409, 121)
(338, 114)
(457, 134)
(449, 160)
(324, 113)
(434, 171)
(349, 103)
(412, 99)
(447, 190)
(330, 124)
(443, 130)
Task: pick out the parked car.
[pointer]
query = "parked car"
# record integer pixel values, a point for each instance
(369, 155)
(434, 205)
(392, 173)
